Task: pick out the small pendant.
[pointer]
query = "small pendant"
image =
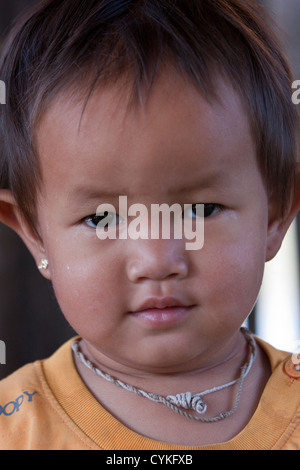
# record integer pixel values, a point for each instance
(188, 402)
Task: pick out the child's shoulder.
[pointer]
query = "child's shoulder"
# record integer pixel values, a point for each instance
(279, 408)
(19, 393)
(18, 389)
(31, 417)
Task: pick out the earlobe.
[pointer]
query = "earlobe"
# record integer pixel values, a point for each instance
(10, 215)
(278, 226)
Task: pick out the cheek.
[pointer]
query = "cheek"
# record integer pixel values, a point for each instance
(233, 275)
(85, 291)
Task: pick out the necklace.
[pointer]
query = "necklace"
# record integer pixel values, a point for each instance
(187, 400)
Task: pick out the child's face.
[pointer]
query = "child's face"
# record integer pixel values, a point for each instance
(178, 149)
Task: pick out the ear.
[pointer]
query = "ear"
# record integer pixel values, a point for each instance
(278, 226)
(11, 216)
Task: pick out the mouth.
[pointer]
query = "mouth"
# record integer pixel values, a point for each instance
(162, 311)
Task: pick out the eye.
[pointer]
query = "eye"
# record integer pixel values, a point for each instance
(104, 220)
(208, 210)
(211, 209)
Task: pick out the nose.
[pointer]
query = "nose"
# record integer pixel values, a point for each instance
(157, 260)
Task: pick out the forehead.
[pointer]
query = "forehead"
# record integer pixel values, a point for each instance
(173, 133)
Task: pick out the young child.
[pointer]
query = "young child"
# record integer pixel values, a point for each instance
(164, 102)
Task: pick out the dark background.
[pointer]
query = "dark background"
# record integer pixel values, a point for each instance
(31, 324)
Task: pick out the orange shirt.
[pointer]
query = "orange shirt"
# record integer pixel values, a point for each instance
(46, 406)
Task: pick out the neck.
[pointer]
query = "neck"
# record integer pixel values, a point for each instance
(165, 425)
(221, 363)
(186, 400)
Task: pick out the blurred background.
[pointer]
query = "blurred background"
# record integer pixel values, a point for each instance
(31, 324)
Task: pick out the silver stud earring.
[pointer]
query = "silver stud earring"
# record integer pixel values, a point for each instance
(43, 264)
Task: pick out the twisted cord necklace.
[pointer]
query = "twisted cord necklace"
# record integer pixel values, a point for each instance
(187, 400)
